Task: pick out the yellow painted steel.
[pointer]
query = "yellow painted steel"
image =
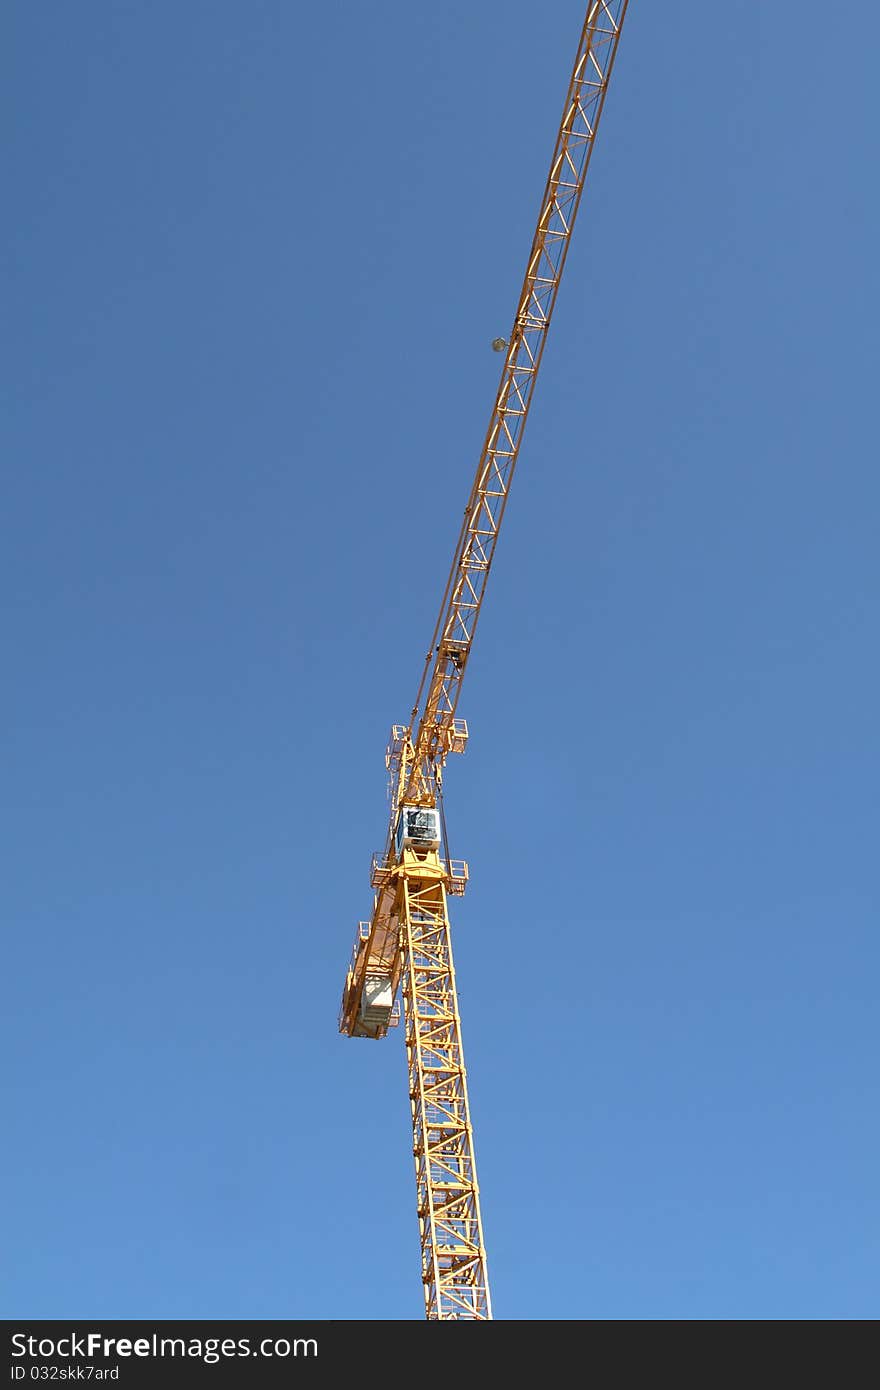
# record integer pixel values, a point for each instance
(454, 1273)
(407, 941)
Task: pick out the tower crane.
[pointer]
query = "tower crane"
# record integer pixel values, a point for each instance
(405, 948)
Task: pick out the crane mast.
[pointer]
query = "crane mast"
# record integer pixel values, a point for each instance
(406, 946)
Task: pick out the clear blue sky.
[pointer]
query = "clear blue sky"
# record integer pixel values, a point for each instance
(254, 256)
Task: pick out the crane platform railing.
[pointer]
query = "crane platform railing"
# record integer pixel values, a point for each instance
(455, 873)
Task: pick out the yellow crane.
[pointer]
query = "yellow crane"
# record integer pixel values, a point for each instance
(406, 945)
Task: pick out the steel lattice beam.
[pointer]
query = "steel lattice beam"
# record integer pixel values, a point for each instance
(436, 701)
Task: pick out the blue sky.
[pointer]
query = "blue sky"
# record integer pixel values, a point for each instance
(254, 256)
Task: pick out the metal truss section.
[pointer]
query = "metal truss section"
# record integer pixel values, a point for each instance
(433, 715)
(454, 1271)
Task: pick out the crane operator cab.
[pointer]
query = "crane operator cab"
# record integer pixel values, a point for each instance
(418, 827)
